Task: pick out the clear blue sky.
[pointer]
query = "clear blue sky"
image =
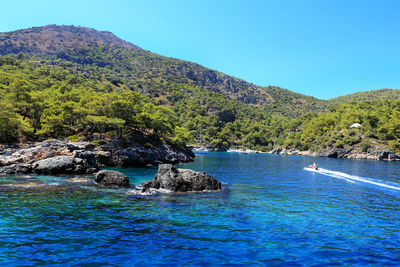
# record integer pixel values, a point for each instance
(323, 48)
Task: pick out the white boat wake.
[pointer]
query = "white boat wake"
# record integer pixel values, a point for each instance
(354, 178)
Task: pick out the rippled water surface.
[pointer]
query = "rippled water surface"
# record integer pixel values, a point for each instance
(272, 211)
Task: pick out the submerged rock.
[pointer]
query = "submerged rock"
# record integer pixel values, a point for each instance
(107, 178)
(180, 180)
(22, 185)
(79, 180)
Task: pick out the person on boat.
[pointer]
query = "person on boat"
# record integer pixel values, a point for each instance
(315, 166)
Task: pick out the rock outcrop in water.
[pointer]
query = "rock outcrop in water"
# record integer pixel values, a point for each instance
(107, 178)
(180, 180)
(65, 157)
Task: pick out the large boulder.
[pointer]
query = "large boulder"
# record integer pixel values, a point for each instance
(130, 157)
(55, 165)
(63, 165)
(180, 180)
(107, 178)
(389, 155)
(16, 169)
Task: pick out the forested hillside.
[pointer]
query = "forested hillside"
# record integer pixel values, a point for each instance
(381, 94)
(41, 100)
(38, 101)
(379, 120)
(103, 53)
(60, 81)
(231, 111)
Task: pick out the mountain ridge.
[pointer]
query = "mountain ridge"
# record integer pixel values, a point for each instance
(55, 40)
(31, 40)
(379, 94)
(74, 43)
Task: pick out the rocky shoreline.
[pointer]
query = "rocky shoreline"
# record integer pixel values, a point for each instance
(66, 157)
(373, 153)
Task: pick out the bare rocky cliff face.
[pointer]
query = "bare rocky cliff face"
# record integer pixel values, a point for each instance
(51, 39)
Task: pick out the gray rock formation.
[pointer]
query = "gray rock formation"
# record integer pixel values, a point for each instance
(16, 169)
(62, 165)
(107, 178)
(388, 155)
(83, 157)
(181, 180)
(139, 156)
(54, 165)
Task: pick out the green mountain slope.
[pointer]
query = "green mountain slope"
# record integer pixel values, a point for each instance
(40, 102)
(43, 67)
(149, 73)
(230, 110)
(379, 125)
(380, 94)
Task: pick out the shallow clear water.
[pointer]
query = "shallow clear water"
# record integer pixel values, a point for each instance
(272, 211)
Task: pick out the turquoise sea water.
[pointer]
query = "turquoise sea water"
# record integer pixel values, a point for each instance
(271, 211)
